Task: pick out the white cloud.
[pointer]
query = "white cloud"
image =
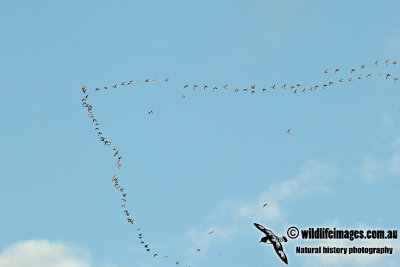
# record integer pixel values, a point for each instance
(233, 214)
(312, 178)
(42, 253)
(374, 168)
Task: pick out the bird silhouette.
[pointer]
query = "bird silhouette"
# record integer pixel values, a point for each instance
(274, 240)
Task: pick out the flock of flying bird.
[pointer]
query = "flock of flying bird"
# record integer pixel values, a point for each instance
(115, 180)
(295, 88)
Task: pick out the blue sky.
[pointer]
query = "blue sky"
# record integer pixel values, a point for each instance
(206, 162)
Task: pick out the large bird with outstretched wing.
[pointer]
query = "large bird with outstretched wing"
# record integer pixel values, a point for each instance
(274, 240)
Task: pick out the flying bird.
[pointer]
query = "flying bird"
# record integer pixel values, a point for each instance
(274, 240)
(265, 204)
(288, 131)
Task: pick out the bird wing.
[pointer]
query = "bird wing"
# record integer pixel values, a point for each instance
(263, 229)
(279, 250)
